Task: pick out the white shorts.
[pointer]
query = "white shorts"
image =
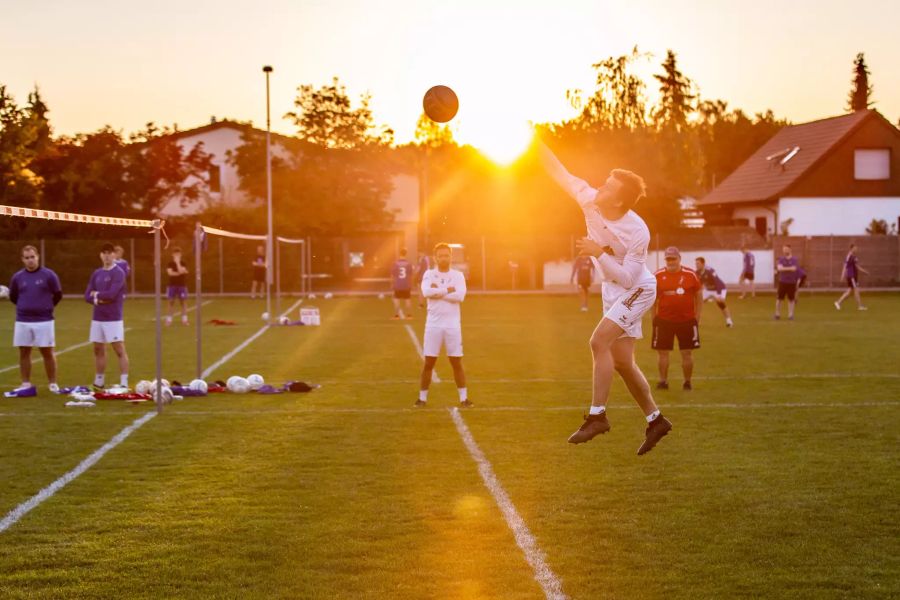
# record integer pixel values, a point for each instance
(107, 332)
(435, 337)
(28, 335)
(712, 294)
(627, 310)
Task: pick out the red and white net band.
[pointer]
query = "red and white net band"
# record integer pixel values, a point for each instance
(247, 236)
(54, 215)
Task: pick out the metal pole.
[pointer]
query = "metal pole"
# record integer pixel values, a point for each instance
(132, 263)
(221, 268)
(198, 293)
(483, 266)
(831, 260)
(43, 260)
(309, 268)
(303, 267)
(269, 240)
(277, 277)
(157, 276)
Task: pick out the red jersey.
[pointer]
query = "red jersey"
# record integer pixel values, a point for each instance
(675, 292)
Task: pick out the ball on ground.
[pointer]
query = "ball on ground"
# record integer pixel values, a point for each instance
(256, 381)
(440, 104)
(238, 385)
(265, 316)
(198, 385)
(283, 320)
(142, 387)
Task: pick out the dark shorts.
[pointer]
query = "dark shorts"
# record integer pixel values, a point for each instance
(176, 291)
(259, 275)
(584, 283)
(402, 294)
(748, 275)
(852, 283)
(787, 289)
(665, 332)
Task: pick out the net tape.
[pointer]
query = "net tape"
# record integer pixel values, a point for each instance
(247, 236)
(55, 215)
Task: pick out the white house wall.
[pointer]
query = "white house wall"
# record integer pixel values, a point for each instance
(836, 216)
(752, 212)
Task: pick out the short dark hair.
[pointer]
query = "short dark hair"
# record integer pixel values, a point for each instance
(701, 259)
(853, 245)
(107, 248)
(402, 251)
(633, 187)
(441, 246)
(27, 248)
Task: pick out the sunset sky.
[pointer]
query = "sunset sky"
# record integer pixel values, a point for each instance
(124, 63)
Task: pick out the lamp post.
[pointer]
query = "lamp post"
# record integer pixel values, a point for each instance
(269, 254)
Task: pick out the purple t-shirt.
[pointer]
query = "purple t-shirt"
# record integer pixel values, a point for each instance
(788, 276)
(123, 264)
(749, 263)
(401, 275)
(710, 280)
(35, 293)
(110, 285)
(850, 266)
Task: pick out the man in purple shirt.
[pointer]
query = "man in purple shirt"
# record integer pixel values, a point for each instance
(35, 290)
(106, 291)
(787, 267)
(401, 282)
(713, 288)
(850, 273)
(747, 273)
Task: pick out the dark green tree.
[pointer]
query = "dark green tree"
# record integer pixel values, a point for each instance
(676, 97)
(860, 97)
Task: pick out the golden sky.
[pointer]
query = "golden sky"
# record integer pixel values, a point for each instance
(124, 62)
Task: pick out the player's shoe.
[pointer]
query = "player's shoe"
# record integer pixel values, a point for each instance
(408, 317)
(729, 323)
(777, 317)
(420, 404)
(593, 426)
(686, 386)
(863, 308)
(656, 430)
(184, 320)
(662, 385)
(395, 318)
(837, 305)
(466, 404)
(584, 309)
(22, 392)
(168, 321)
(53, 387)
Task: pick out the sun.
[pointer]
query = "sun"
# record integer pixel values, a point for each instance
(502, 140)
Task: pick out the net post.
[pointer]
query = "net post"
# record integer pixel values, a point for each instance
(221, 269)
(158, 287)
(277, 277)
(198, 292)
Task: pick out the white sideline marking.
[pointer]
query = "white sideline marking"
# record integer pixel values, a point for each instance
(63, 351)
(23, 509)
(545, 577)
(191, 308)
(421, 351)
(243, 345)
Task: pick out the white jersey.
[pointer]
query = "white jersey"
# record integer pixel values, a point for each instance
(628, 237)
(443, 306)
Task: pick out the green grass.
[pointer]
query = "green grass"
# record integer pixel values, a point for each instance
(348, 492)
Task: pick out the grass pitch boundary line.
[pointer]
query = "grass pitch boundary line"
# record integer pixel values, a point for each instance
(23, 509)
(40, 358)
(543, 574)
(420, 350)
(206, 372)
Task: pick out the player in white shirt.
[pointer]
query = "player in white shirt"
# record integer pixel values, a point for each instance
(445, 289)
(617, 243)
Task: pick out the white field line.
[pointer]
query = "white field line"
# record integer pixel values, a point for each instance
(190, 309)
(23, 509)
(545, 577)
(421, 351)
(243, 345)
(63, 351)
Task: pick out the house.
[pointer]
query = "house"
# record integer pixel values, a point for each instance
(827, 177)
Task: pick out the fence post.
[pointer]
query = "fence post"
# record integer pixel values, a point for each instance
(221, 268)
(43, 260)
(277, 277)
(132, 263)
(831, 260)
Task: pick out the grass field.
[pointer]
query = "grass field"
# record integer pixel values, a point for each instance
(781, 478)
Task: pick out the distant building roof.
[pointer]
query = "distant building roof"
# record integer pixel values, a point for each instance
(785, 158)
(228, 124)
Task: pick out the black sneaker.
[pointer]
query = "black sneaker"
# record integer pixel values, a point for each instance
(656, 430)
(662, 385)
(593, 426)
(420, 403)
(466, 404)
(687, 386)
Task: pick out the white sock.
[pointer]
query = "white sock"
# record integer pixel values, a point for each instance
(652, 416)
(598, 410)
(423, 395)
(463, 395)
(25, 384)
(99, 379)
(123, 380)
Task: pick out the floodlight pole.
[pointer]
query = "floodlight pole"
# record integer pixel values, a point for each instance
(269, 255)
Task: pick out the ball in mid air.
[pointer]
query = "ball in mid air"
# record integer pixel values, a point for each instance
(440, 104)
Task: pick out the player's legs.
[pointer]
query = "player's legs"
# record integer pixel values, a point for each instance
(119, 348)
(605, 334)
(427, 369)
(663, 364)
(622, 353)
(720, 302)
(396, 302)
(859, 303)
(49, 363)
(687, 364)
(583, 292)
(99, 363)
(183, 301)
(843, 297)
(25, 365)
(408, 303)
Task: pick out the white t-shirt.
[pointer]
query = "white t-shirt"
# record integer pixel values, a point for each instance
(628, 237)
(443, 307)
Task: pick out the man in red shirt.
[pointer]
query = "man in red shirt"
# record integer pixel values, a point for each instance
(679, 298)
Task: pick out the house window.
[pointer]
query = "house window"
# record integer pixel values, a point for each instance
(872, 164)
(215, 178)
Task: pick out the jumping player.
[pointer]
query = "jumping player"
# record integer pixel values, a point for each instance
(584, 269)
(401, 281)
(617, 242)
(850, 273)
(713, 288)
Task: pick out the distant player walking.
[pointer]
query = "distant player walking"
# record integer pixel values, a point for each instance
(679, 300)
(617, 242)
(445, 289)
(106, 291)
(421, 266)
(747, 273)
(850, 274)
(259, 273)
(177, 288)
(35, 290)
(401, 282)
(787, 268)
(713, 288)
(583, 268)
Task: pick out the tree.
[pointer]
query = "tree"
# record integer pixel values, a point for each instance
(676, 97)
(877, 227)
(618, 102)
(860, 97)
(24, 134)
(431, 134)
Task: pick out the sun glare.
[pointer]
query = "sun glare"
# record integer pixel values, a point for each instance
(502, 141)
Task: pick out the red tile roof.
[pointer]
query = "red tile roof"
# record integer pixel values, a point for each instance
(759, 179)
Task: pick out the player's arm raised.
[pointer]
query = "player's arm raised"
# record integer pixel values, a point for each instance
(578, 189)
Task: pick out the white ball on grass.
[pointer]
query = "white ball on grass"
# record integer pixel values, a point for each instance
(283, 320)
(198, 385)
(311, 296)
(142, 387)
(238, 385)
(256, 381)
(4, 291)
(265, 316)
(328, 295)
